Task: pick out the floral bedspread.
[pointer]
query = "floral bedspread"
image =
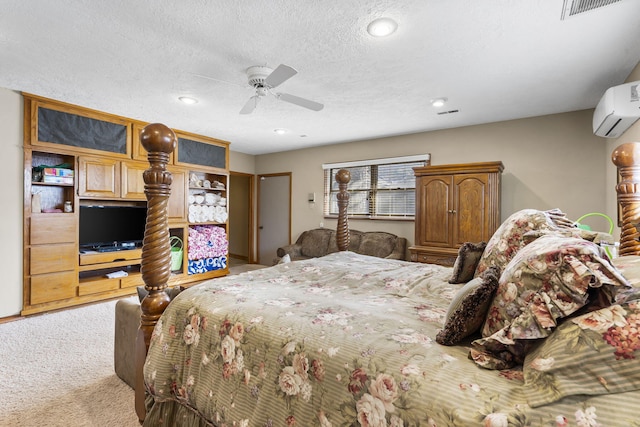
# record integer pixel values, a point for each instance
(342, 340)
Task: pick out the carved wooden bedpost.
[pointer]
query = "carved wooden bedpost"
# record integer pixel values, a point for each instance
(159, 141)
(342, 231)
(627, 158)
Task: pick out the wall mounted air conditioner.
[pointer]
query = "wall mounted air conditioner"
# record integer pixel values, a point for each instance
(618, 109)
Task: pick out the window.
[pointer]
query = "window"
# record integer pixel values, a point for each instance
(378, 189)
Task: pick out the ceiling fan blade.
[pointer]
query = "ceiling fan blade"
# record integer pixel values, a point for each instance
(306, 103)
(279, 75)
(251, 105)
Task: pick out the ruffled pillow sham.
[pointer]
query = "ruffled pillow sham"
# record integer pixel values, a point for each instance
(549, 279)
(509, 237)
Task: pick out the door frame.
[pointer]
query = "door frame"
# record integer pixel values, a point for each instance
(267, 175)
(252, 214)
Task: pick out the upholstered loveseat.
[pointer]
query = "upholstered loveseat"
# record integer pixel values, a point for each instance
(322, 241)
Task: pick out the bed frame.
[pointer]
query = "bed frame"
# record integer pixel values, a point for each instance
(160, 141)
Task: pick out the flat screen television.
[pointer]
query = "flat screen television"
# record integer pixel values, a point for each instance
(104, 228)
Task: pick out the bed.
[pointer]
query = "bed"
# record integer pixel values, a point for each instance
(353, 340)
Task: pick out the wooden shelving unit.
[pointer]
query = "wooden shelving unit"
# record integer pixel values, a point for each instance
(109, 172)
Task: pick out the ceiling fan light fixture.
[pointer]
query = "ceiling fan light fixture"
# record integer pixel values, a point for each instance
(438, 102)
(188, 100)
(382, 27)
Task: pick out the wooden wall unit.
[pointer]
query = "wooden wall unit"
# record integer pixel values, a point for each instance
(108, 160)
(455, 204)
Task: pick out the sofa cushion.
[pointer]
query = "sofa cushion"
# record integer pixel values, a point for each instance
(355, 237)
(377, 243)
(315, 243)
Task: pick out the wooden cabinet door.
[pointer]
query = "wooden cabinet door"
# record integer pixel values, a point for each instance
(433, 226)
(98, 177)
(133, 181)
(470, 201)
(177, 204)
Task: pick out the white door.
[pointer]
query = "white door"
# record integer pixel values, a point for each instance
(274, 215)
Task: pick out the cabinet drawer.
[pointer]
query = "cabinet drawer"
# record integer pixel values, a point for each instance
(433, 257)
(53, 258)
(53, 228)
(99, 285)
(131, 281)
(53, 287)
(105, 257)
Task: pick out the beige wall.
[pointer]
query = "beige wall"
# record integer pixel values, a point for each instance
(240, 162)
(11, 196)
(550, 161)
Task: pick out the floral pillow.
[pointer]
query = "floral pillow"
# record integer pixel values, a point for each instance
(468, 308)
(465, 265)
(508, 238)
(547, 280)
(596, 353)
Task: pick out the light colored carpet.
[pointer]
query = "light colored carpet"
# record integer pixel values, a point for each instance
(56, 369)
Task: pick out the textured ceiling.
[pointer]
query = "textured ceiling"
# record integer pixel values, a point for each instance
(493, 59)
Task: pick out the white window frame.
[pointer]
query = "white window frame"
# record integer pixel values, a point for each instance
(330, 187)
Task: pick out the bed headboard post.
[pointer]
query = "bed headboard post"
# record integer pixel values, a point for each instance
(627, 158)
(159, 141)
(343, 177)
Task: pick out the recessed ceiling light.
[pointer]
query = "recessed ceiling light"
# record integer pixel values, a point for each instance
(188, 100)
(438, 102)
(280, 131)
(382, 27)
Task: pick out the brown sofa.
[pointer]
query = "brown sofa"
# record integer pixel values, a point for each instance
(322, 241)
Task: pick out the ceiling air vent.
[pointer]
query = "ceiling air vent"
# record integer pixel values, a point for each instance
(440, 113)
(574, 7)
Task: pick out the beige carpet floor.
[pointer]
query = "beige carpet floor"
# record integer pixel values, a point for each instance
(56, 369)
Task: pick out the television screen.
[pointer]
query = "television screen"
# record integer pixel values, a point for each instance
(111, 226)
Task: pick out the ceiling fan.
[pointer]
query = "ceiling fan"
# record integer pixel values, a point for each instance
(264, 80)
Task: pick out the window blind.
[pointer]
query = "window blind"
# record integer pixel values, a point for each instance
(378, 189)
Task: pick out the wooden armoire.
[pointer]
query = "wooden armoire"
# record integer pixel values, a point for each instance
(455, 203)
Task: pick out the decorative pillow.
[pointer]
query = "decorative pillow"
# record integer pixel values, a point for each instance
(508, 238)
(171, 291)
(547, 280)
(465, 265)
(468, 308)
(596, 353)
(592, 236)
